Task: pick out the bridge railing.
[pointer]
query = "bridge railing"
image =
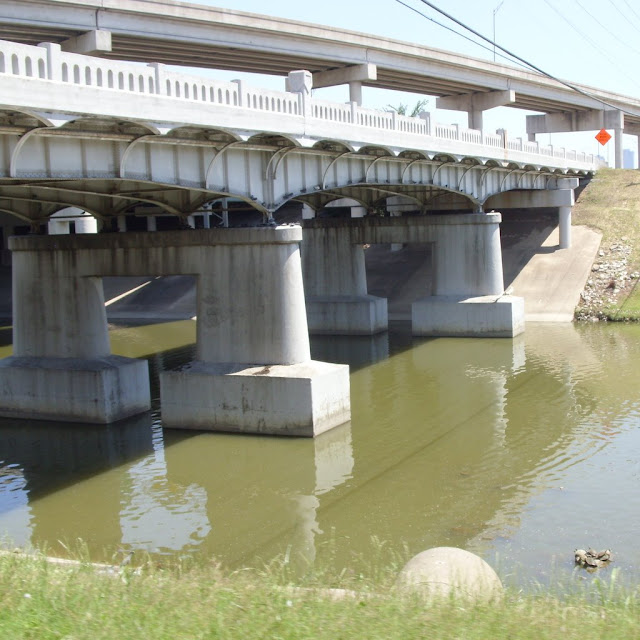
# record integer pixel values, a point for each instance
(23, 60)
(331, 111)
(48, 62)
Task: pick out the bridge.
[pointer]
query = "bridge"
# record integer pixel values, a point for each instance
(179, 33)
(121, 140)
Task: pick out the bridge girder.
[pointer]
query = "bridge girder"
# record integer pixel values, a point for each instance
(106, 167)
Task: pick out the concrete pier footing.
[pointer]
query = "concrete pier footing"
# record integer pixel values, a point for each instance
(461, 316)
(303, 399)
(100, 390)
(347, 315)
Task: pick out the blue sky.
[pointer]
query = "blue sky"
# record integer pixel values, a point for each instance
(593, 42)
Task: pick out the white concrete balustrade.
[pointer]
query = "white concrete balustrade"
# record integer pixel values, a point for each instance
(157, 93)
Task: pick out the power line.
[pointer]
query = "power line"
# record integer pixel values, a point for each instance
(615, 35)
(529, 64)
(617, 8)
(444, 26)
(632, 9)
(588, 39)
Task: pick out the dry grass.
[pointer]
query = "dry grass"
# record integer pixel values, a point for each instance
(611, 204)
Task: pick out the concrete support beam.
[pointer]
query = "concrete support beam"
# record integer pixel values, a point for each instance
(564, 227)
(475, 103)
(345, 75)
(575, 121)
(634, 130)
(86, 224)
(253, 371)
(62, 368)
(355, 93)
(533, 199)
(89, 44)
(563, 199)
(468, 290)
(618, 147)
(467, 268)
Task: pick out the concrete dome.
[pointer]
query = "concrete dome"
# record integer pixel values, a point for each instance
(445, 571)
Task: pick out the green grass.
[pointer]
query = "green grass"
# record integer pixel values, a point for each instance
(41, 601)
(611, 204)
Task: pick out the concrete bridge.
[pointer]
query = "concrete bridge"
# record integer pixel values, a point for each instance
(117, 139)
(181, 33)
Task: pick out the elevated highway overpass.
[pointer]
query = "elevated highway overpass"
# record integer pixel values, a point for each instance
(178, 33)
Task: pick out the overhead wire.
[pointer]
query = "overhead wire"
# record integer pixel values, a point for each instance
(632, 9)
(444, 26)
(588, 39)
(603, 26)
(569, 85)
(617, 8)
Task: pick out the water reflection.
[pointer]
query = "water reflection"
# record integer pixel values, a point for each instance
(157, 515)
(498, 446)
(55, 478)
(262, 493)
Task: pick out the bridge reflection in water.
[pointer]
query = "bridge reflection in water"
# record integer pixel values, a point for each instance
(492, 445)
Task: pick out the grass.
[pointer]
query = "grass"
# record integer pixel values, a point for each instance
(611, 204)
(43, 601)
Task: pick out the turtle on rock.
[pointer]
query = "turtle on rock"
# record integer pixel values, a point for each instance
(592, 559)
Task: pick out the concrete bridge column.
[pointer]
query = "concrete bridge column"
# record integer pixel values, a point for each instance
(618, 147)
(468, 286)
(62, 368)
(335, 283)
(253, 370)
(564, 227)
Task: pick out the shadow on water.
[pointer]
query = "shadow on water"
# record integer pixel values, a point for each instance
(363, 351)
(6, 336)
(52, 455)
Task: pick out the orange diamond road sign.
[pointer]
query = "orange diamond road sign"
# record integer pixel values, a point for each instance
(603, 136)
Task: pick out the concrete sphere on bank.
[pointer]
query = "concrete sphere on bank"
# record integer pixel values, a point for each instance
(448, 571)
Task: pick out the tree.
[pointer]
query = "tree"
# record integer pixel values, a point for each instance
(403, 109)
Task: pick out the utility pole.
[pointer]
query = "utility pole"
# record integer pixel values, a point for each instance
(494, 29)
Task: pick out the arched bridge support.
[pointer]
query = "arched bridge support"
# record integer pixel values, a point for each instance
(252, 373)
(467, 296)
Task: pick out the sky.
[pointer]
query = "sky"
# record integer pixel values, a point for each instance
(592, 42)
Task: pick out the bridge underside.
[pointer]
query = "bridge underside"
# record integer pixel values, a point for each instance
(110, 168)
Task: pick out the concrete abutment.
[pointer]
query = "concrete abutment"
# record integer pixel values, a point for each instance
(253, 371)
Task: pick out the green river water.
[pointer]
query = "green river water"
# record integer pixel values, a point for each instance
(518, 450)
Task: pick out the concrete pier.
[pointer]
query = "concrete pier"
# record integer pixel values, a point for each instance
(335, 283)
(467, 296)
(252, 373)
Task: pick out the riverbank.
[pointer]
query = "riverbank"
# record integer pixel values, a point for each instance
(610, 204)
(46, 602)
